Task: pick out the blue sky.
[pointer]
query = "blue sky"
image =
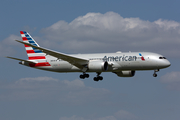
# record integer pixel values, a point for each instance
(94, 26)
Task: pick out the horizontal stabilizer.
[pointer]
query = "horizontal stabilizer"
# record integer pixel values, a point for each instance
(20, 59)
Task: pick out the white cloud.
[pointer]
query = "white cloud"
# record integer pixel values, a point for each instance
(172, 80)
(110, 32)
(120, 115)
(37, 79)
(47, 88)
(171, 77)
(74, 83)
(167, 24)
(7, 45)
(125, 115)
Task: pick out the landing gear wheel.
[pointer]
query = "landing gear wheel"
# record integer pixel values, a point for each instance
(156, 70)
(155, 75)
(100, 78)
(96, 79)
(84, 76)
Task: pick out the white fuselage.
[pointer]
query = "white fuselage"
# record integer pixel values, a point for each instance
(116, 62)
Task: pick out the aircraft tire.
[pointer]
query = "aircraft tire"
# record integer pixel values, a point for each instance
(96, 79)
(155, 75)
(82, 76)
(86, 75)
(100, 78)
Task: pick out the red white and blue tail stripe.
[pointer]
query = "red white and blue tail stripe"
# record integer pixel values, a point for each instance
(33, 53)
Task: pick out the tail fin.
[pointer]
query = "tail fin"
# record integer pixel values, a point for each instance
(33, 53)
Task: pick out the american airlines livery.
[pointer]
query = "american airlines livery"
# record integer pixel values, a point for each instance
(122, 64)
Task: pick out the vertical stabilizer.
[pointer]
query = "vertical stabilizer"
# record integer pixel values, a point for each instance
(33, 53)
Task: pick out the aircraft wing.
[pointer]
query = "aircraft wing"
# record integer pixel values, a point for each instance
(21, 59)
(78, 62)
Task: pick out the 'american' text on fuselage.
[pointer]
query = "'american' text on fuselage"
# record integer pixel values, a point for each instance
(120, 58)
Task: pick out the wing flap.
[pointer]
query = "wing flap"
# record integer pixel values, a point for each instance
(78, 62)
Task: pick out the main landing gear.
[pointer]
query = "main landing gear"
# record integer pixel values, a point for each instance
(98, 77)
(84, 75)
(155, 75)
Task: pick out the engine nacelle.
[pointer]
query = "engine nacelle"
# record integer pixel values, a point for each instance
(125, 73)
(98, 66)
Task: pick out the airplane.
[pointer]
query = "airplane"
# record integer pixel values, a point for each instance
(123, 64)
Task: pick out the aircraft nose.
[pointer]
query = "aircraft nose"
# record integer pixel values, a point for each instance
(164, 63)
(167, 63)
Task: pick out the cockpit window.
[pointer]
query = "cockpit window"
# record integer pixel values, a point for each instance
(162, 57)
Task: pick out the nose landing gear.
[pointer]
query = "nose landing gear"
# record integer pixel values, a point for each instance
(155, 75)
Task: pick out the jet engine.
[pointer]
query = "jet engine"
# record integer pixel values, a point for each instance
(125, 73)
(98, 66)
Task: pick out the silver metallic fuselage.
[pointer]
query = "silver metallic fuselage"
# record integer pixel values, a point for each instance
(116, 62)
